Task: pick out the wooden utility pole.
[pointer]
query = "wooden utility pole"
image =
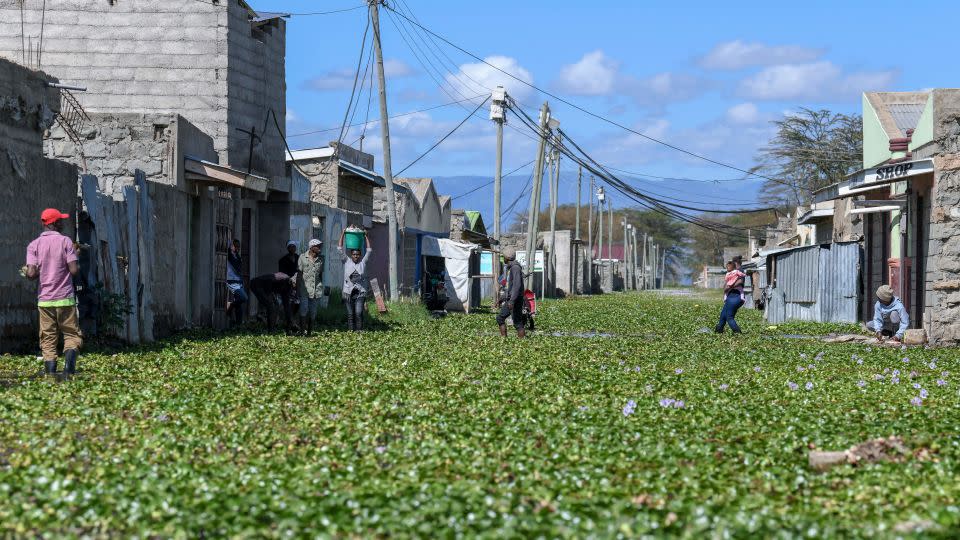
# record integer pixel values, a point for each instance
(590, 240)
(533, 216)
(387, 163)
(499, 117)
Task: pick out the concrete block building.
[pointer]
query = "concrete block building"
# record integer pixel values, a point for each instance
(193, 95)
(29, 183)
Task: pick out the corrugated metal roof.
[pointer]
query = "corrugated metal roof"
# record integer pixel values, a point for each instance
(906, 115)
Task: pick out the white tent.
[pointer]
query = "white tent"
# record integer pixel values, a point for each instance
(457, 261)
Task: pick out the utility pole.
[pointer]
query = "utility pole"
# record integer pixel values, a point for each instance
(600, 198)
(610, 240)
(626, 256)
(633, 244)
(533, 216)
(590, 240)
(499, 117)
(549, 270)
(643, 263)
(576, 235)
(663, 269)
(656, 264)
(387, 163)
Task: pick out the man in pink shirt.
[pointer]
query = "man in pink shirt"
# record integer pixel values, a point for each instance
(52, 261)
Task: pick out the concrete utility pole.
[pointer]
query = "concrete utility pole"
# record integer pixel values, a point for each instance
(626, 257)
(600, 198)
(633, 244)
(589, 285)
(576, 235)
(499, 117)
(610, 240)
(548, 255)
(656, 265)
(387, 164)
(643, 263)
(533, 216)
(663, 269)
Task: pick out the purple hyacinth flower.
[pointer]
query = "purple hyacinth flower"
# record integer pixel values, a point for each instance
(667, 402)
(906, 360)
(859, 361)
(878, 377)
(679, 404)
(896, 373)
(381, 449)
(916, 385)
(945, 374)
(932, 365)
(629, 407)
(801, 368)
(808, 386)
(861, 383)
(895, 380)
(803, 355)
(637, 369)
(916, 401)
(941, 382)
(792, 385)
(913, 374)
(756, 369)
(811, 366)
(924, 393)
(724, 386)
(678, 371)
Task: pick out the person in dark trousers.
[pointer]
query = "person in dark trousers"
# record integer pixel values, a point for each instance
(288, 263)
(266, 288)
(511, 295)
(732, 298)
(354, 283)
(52, 261)
(237, 303)
(310, 284)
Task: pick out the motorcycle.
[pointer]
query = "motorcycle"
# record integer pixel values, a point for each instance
(529, 306)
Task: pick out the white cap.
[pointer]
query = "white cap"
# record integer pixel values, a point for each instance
(315, 242)
(292, 243)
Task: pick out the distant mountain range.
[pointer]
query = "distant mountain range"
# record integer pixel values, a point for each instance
(476, 193)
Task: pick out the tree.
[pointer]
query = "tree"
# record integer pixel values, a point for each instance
(811, 150)
(706, 246)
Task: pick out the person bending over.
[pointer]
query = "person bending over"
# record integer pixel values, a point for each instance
(890, 318)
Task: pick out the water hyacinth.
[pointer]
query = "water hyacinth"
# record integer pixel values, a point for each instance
(906, 360)
(861, 383)
(792, 385)
(932, 365)
(803, 355)
(678, 371)
(916, 401)
(916, 385)
(818, 357)
(878, 377)
(811, 366)
(756, 369)
(941, 382)
(924, 393)
(859, 361)
(895, 380)
(808, 386)
(724, 386)
(672, 403)
(629, 407)
(801, 368)
(913, 374)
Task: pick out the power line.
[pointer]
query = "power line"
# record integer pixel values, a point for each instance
(458, 126)
(356, 76)
(325, 130)
(485, 184)
(577, 107)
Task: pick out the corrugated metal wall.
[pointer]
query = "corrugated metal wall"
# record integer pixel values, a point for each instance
(815, 283)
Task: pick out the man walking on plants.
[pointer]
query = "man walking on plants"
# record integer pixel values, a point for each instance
(511, 295)
(310, 284)
(52, 261)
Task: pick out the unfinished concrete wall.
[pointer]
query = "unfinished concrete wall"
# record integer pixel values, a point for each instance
(943, 259)
(201, 59)
(29, 183)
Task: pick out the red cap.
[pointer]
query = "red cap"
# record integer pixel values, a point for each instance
(52, 215)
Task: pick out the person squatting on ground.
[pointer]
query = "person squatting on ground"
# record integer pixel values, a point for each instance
(510, 297)
(310, 284)
(52, 261)
(237, 304)
(732, 298)
(890, 317)
(354, 283)
(266, 288)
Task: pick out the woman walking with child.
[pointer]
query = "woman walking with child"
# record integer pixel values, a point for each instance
(732, 298)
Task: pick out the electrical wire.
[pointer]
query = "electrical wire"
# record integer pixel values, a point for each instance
(356, 76)
(458, 126)
(578, 107)
(485, 184)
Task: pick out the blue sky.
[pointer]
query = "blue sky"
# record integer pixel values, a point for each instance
(707, 76)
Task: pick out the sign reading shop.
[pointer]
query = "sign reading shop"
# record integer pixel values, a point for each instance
(888, 174)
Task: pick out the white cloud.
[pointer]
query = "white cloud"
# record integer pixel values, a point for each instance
(737, 54)
(292, 116)
(593, 75)
(342, 79)
(743, 113)
(395, 69)
(822, 81)
(663, 88)
(479, 78)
